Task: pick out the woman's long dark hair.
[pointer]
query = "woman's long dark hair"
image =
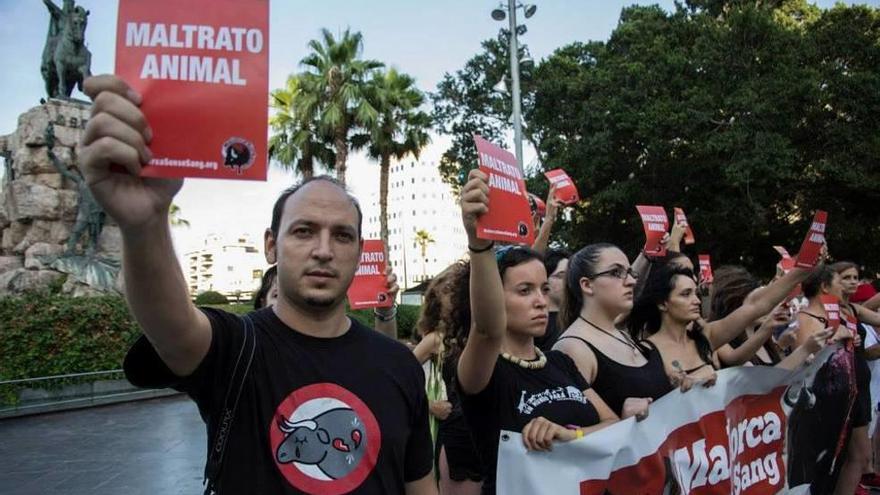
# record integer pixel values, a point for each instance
(731, 286)
(457, 317)
(645, 318)
(582, 264)
(263, 292)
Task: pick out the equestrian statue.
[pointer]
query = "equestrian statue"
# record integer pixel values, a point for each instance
(66, 60)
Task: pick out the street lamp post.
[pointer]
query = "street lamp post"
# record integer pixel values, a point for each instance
(514, 76)
(498, 14)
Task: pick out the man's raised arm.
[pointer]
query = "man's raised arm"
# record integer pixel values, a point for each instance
(114, 148)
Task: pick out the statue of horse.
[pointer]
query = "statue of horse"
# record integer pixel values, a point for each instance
(66, 60)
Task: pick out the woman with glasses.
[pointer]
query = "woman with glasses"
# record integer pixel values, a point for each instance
(599, 289)
(506, 382)
(667, 315)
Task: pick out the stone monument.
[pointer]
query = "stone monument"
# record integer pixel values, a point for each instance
(52, 233)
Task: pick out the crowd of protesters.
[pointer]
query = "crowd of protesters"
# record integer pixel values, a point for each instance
(503, 331)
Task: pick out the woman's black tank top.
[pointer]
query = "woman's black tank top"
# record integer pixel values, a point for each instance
(617, 382)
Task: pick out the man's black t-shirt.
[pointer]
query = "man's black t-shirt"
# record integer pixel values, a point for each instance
(516, 395)
(337, 415)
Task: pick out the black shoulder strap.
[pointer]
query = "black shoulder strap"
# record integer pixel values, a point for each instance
(223, 421)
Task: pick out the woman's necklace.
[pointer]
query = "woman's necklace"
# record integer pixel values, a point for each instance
(627, 342)
(525, 363)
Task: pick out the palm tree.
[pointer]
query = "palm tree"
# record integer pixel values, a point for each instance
(334, 90)
(400, 129)
(423, 238)
(296, 142)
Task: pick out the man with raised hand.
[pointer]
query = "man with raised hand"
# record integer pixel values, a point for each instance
(325, 404)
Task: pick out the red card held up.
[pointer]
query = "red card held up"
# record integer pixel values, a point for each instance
(706, 268)
(787, 262)
(369, 289)
(509, 217)
(566, 191)
(808, 256)
(832, 310)
(655, 223)
(688, 232)
(202, 68)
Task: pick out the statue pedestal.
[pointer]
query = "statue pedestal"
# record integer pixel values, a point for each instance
(38, 205)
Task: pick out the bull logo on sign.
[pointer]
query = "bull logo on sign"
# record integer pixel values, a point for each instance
(334, 441)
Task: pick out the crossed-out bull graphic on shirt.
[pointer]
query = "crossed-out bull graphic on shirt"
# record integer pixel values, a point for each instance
(334, 441)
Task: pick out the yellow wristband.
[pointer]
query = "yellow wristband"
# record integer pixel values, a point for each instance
(579, 433)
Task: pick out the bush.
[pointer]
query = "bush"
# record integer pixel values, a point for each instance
(211, 297)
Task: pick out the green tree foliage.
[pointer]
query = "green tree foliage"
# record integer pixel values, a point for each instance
(750, 115)
(400, 129)
(211, 297)
(297, 140)
(466, 104)
(333, 91)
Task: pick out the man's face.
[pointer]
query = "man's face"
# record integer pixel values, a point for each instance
(318, 247)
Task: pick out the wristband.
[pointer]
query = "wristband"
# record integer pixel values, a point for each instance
(386, 317)
(481, 250)
(578, 434)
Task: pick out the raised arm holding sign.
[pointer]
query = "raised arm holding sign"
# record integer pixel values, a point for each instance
(811, 248)
(680, 218)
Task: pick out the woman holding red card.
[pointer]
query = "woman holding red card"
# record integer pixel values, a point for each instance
(506, 382)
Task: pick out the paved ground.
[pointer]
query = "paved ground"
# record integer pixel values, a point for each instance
(146, 447)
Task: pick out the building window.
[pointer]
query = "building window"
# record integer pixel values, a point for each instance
(230, 268)
(258, 274)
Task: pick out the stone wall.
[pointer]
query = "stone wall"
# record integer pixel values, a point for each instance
(38, 205)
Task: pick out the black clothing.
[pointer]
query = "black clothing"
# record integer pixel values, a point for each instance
(516, 395)
(616, 382)
(551, 335)
(316, 415)
(455, 437)
(861, 414)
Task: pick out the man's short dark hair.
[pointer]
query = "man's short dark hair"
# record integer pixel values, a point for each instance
(278, 209)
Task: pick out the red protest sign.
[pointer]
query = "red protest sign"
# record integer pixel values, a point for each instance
(655, 223)
(202, 67)
(808, 256)
(688, 232)
(706, 268)
(832, 310)
(787, 262)
(369, 288)
(509, 217)
(566, 191)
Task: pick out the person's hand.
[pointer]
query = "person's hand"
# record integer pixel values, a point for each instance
(553, 205)
(391, 283)
(841, 334)
(677, 233)
(474, 203)
(540, 433)
(787, 339)
(440, 409)
(780, 316)
(114, 149)
(817, 341)
(636, 406)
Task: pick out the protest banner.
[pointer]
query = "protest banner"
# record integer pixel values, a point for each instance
(369, 288)
(509, 217)
(566, 191)
(706, 268)
(655, 223)
(202, 67)
(811, 248)
(754, 432)
(688, 232)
